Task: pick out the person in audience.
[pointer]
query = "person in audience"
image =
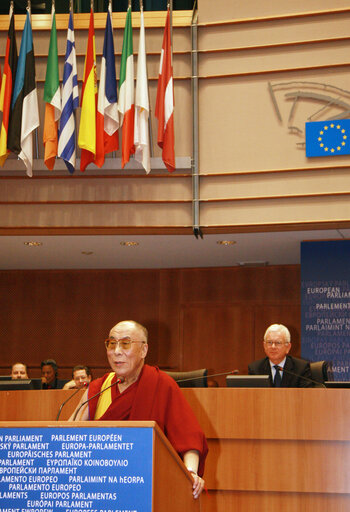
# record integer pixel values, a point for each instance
(143, 392)
(277, 344)
(81, 378)
(19, 371)
(49, 372)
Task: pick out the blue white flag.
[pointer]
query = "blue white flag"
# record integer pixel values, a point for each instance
(327, 138)
(25, 111)
(70, 102)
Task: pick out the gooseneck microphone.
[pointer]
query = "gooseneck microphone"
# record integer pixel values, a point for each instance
(201, 377)
(119, 380)
(281, 369)
(71, 396)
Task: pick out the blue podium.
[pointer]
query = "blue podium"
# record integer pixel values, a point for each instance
(91, 467)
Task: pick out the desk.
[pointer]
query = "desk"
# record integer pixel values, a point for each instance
(270, 450)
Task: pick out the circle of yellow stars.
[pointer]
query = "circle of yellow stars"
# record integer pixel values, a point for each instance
(342, 137)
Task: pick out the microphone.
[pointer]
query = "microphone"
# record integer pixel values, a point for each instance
(67, 400)
(301, 377)
(119, 380)
(232, 372)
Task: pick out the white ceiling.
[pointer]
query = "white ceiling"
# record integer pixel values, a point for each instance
(156, 251)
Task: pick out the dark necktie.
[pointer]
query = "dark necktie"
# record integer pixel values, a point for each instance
(278, 380)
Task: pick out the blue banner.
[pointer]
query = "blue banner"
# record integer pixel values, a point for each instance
(325, 304)
(327, 138)
(76, 469)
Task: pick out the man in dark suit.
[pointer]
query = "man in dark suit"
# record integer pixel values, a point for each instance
(277, 344)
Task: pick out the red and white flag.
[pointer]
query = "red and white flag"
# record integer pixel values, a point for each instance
(165, 101)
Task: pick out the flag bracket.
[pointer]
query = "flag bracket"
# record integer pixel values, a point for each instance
(197, 232)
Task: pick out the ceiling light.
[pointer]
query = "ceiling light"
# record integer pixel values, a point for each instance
(33, 244)
(226, 243)
(252, 263)
(129, 244)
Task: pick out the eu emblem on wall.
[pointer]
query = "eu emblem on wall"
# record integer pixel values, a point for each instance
(327, 138)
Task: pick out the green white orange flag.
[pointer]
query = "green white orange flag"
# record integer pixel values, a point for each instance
(87, 127)
(52, 98)
(7, 84)
(126, 103)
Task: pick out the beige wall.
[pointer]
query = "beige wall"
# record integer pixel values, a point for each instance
(253, 173)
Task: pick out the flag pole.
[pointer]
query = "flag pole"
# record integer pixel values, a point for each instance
(170, 8)
(150, 111)
(110, 10)
(29, 9)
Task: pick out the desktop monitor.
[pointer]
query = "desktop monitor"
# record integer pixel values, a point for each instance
(19, 384)
(337, 384)
(247, 381)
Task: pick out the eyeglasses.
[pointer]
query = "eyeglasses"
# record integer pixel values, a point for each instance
(124, 344)
(277, 344)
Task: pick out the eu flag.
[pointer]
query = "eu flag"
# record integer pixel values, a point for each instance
(327, 138)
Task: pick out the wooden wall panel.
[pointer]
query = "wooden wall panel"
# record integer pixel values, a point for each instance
(66, 315)
(217, 337)
(212, 317)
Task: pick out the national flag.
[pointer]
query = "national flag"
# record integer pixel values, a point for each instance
(141, 134)
(126, 104)
(7, 84)
(52, 98)
(164, 111)
(107, 107)
(87, 127)
(70, 102)
(327, 138)
(25, 112)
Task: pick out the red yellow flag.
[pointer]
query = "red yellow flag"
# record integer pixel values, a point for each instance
(87, 127)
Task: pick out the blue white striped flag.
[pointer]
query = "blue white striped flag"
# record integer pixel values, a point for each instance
(70, 102)
(327, 138)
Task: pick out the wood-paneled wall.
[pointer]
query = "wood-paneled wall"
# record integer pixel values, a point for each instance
(213, 317)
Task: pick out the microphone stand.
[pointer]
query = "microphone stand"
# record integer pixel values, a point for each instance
(232, 372)
(319, 384)
(118, 381)
(64, 403)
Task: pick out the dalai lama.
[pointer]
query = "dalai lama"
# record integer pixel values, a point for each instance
(145, 393)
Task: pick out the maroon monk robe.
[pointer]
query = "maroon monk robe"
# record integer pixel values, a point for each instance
(155, 396)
